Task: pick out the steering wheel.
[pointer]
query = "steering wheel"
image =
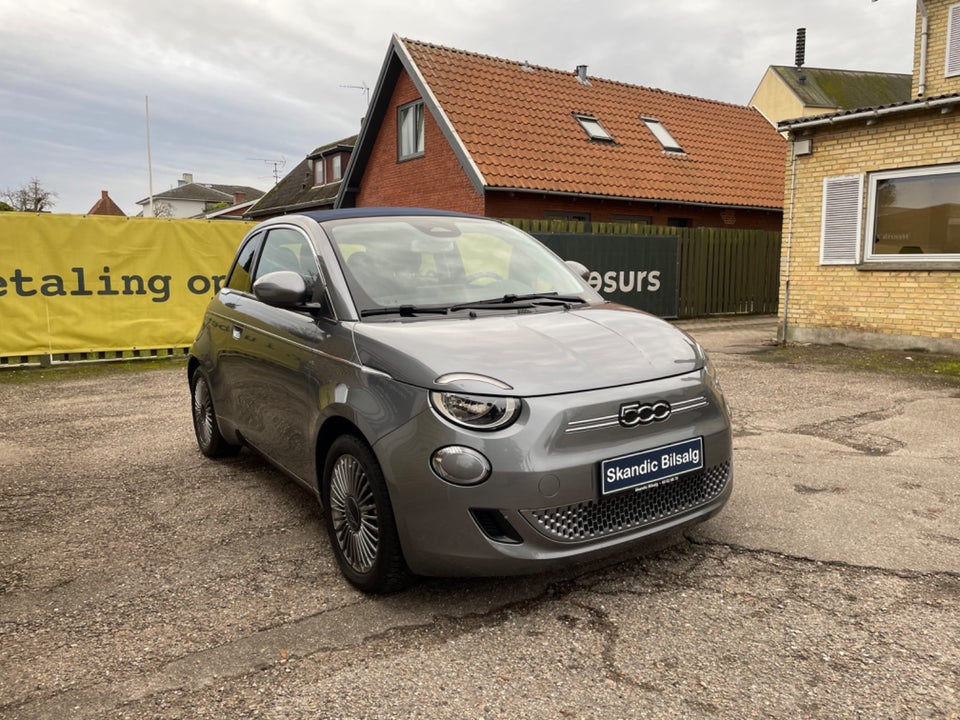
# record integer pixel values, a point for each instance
(473, 277)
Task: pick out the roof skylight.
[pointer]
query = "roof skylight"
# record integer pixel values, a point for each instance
(662, 135)
(593, 128)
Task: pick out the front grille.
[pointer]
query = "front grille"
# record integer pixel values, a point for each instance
(627, 511)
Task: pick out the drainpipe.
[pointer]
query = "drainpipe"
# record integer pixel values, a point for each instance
(786, 270)
(924, 27)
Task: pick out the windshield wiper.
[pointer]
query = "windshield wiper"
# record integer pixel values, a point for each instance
(405, 310)
(529, 300)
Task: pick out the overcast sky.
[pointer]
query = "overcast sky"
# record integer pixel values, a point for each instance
(237, 87)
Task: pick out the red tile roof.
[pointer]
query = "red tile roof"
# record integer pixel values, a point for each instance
(517, 122)
(106, 206)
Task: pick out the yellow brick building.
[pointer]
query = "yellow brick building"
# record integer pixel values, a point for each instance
(871, 248)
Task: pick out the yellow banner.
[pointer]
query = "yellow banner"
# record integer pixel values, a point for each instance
(85, 284)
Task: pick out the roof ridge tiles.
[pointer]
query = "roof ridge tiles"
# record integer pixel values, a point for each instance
(572, 73)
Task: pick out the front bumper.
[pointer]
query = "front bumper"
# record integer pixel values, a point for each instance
(542, 505)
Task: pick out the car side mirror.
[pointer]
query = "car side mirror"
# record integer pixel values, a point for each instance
(283, 288)
(579, 268)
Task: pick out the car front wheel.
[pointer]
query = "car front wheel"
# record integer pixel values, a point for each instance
(360, 520)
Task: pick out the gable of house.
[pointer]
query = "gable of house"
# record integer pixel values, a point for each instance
(787, 92)
(514, 128)
(106, 206)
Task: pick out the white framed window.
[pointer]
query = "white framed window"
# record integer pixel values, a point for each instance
(840, 220)
(319, 177)
(336, 168)
(593, 128)
(662, 135)
(952, 68)
(410, 130)
(913, 215)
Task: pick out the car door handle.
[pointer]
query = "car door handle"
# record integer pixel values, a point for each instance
(237, 332)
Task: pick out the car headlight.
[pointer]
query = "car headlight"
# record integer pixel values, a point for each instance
(477, 412)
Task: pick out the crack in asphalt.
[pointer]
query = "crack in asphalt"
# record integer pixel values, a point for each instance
(844, 430)
(364, 623)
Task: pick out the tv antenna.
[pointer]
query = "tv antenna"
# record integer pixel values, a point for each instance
(277, 166)
(362, 87)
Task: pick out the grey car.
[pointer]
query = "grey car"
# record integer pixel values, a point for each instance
(459, 399)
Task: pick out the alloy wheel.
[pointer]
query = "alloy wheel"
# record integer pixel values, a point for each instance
(353, 511)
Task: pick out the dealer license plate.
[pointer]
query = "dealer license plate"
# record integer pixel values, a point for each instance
(651, 467)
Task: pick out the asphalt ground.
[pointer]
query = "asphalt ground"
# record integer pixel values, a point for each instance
(141, 580)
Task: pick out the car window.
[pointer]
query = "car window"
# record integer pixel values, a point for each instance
(289, 249)
(240, 273)
(430, 261)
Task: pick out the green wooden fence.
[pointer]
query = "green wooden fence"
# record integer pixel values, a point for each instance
(721, 271)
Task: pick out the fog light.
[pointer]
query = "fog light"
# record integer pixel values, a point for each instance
(460, 465)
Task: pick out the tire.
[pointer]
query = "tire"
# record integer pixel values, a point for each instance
(209, 439)
(359, 517)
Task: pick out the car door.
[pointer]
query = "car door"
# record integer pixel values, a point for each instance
(283, 358)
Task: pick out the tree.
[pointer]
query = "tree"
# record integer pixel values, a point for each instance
(163, 209)
(32, 197)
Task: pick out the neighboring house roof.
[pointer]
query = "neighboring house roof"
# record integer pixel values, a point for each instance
(204, 192)
(296, 190)
(844, 89)
(514, 127)
(106, 206)
(940, 103)
(230, 212)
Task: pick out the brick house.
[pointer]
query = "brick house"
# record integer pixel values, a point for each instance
(457, 130)
(106, 206)
(871, 244)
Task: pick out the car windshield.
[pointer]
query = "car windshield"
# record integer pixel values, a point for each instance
(438, 264)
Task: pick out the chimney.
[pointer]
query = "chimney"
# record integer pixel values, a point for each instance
(801, 47)
(239, 197)
(582, 74)
(104, 195)
(186, 180)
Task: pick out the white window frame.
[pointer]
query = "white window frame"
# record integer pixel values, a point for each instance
(336, 172)
(952, 59)
(840, 228)
(874, 178)
(404, 141)
(319, 172)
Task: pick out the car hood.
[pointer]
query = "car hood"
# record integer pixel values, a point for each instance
(539, 353)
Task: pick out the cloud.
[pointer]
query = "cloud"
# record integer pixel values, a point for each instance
(235, 86)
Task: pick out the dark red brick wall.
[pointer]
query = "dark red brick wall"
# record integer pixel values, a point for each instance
(434, 180)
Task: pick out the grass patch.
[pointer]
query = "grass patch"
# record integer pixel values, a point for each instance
(915, 363)
(79, 370)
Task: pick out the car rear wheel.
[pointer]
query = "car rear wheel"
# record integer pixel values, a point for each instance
(211, 442)
(360, 519)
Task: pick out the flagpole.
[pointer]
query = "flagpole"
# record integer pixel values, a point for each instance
(149, 160)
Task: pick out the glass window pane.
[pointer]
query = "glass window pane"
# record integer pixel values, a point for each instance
(411, 130)
(593, 128)
(663, 135)
(240, 273)
(917, 215)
